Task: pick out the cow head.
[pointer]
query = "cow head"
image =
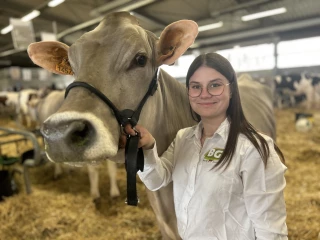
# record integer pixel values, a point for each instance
(119, 58)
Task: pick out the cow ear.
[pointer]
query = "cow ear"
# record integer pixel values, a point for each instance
(174, 40)
(52, 56)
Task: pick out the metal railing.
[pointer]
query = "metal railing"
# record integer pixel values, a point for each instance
(32, 162)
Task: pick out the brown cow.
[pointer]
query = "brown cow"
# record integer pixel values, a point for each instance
(119, 58)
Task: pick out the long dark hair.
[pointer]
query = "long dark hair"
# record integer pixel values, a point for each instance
(238, 122)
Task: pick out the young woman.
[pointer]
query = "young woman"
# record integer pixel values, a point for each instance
(228, 179)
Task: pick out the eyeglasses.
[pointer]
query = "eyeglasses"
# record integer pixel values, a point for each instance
(213, 88)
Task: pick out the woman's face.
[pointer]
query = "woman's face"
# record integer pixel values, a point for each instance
(206, 105)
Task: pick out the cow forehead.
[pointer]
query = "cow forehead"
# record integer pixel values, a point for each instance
(116, 27)
(114, 36)
(121, 39)
(119, 17)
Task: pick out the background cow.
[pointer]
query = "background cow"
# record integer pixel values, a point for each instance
(24, 117)
(257, 104)
(3, 100)
(119, 58)
(294, 89)
(20, 100)
(10, 103)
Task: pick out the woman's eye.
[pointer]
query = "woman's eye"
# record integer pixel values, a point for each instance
(141, 60)
(195, 86)
(215, 85)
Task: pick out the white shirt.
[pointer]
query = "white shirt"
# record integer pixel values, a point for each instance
(244, 202)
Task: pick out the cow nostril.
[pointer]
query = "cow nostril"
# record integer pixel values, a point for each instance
(74, 134)
(79, 133)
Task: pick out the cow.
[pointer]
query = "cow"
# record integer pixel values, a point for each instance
(9, 104)
(120, 59)
(20, 102)
(3, 100)
(257, 103)
(41, 109)
(24, 117)
(293, 89)
(316, 86)
(10, 98)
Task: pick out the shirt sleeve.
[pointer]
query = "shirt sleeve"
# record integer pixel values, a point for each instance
(157, 170)
(263, 193)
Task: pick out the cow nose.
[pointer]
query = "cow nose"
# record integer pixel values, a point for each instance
(74, 134)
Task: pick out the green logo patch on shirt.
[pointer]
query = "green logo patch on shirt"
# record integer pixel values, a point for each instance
(213, 154)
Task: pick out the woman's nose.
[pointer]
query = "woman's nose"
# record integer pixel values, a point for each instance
(205, 93)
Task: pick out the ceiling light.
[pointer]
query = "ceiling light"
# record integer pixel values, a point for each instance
(55, 3)
(263, 14)
(210, 26)
(6, 29)
(30, 16)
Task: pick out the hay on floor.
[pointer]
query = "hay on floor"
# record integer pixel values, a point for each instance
(63, 209)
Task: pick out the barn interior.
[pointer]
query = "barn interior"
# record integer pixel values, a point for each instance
(276, 42)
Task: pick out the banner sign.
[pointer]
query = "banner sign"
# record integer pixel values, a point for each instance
(22, 33)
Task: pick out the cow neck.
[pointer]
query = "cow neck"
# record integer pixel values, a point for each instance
(134, 159)
(173, 111)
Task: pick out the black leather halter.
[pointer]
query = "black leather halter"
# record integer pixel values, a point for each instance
(134, 159)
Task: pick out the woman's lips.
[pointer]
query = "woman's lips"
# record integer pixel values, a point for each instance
(207, 104)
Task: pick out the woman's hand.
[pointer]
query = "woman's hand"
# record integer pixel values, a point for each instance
(146, 139)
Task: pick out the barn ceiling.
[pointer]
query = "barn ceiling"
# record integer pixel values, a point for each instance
(72, 18)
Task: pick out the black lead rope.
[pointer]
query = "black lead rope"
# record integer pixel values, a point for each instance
(134, 161)
(134, 158)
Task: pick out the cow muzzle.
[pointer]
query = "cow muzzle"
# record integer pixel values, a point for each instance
(78, 141)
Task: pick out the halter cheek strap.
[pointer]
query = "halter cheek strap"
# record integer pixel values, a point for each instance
(134, 158)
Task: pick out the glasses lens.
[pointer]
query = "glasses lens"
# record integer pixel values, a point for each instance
(215, 89)
(194, 90)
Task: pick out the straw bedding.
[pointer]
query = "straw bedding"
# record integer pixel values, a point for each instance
(63, 209)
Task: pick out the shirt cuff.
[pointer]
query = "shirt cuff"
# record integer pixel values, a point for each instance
(150, 157)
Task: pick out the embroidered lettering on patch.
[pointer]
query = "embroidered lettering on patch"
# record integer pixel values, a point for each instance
(213, 155)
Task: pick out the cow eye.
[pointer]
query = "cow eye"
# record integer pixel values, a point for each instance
(141, 60)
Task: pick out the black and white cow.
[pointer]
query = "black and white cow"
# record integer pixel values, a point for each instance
(293, 89)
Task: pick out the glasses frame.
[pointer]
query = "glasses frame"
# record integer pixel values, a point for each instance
(208, 90)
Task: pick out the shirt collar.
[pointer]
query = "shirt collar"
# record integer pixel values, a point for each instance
(223, 130)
